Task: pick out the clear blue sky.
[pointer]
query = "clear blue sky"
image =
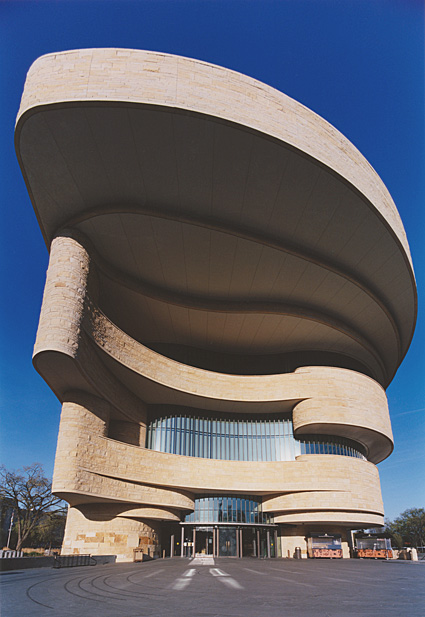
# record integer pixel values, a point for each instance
(358, 63)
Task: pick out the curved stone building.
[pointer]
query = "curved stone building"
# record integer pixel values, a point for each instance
(229, 293)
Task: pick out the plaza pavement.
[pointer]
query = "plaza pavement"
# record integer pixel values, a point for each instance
(205, 587)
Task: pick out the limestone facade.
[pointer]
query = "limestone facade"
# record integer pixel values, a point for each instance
(135, 288)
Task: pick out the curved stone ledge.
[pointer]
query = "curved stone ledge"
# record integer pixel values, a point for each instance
(363, 497)
(161, 79)
(83, 486)
(346, 519)
(368, 424)
(359, 345)
(358, 334)
(151, 513)
(199, 382)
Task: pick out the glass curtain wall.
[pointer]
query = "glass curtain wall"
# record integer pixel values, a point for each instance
(269, 439)
(228, 509)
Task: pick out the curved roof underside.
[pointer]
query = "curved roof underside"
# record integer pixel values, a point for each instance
(221, 214)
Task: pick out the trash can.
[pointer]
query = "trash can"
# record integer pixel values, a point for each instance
(138, 555)
(297, 554)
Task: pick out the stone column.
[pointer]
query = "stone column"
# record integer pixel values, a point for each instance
(64, 297)
(82, 416)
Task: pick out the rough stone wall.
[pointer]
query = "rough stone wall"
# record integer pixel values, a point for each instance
(82, 443)
(94, 529)
(82, 418)
(128, 432)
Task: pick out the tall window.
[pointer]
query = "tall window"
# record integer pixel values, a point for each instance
(267, 439)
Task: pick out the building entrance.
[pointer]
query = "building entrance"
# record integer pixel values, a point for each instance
(229, 540)
(228, 544)
(204, 541)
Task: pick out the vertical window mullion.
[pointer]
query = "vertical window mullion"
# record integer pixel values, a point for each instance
(150, 435)
(201, 437)
(214, 439)
(179, 447)
(196, 433)
(187, 436)
(266, 439)
(263, 440)
(162, 431)
(249, 427)
(290, 442)
(232, 439)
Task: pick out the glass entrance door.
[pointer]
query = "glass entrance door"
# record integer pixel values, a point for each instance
(249, 541)
(204, 542)
(227, 542)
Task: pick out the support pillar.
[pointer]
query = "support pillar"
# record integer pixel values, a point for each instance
(64, 298)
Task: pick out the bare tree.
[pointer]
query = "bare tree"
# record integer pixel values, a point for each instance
(29, 493)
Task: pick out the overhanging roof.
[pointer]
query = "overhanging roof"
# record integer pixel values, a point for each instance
(221, 213)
